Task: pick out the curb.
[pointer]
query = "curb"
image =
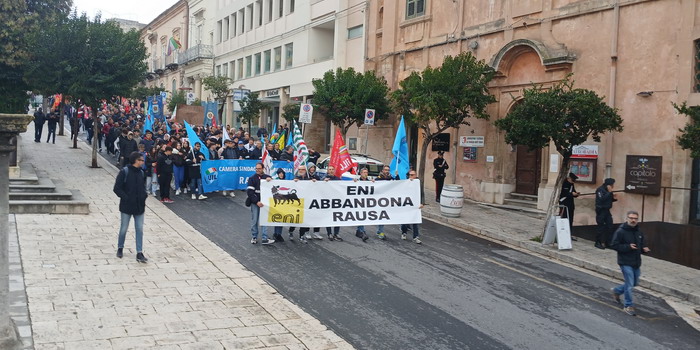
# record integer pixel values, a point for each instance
(537, 248)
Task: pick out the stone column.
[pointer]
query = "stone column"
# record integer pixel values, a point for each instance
(198, 88)
(10, 126)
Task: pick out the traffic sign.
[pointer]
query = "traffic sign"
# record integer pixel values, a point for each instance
(306, 111)
(369, 116)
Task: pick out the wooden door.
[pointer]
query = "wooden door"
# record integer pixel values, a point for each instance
(527, 171)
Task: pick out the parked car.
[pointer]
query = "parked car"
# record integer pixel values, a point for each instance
(373, 166)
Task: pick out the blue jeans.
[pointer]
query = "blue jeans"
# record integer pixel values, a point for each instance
(196, 185)
(414, 227)
(361, 228)
(380, 228)
(138, 225)
(179, 173)
(254, 218)
(631, 276)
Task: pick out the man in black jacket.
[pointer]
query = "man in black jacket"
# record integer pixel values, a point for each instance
(131, 188)
(253, 191)
(566, 200)
(604, 198)
(53, 119)
(288, 154)
(628, 241)
(164, 169)
(39, 120)
(127, 144)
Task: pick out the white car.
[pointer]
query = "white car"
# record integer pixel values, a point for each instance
(374, 166)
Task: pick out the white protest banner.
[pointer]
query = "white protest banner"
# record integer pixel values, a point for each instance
(339, 203)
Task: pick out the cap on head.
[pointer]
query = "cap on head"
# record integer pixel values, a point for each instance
(573, 176)
(609, 181)
(441, 153)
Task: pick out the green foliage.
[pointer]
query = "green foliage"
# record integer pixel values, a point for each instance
(290, 112)
(690, 134)
(251, 107)
(562, 114)
(142, 92)
(342, 96)
(178, 98)
(20, 20)
(437, 99)
(218, 85)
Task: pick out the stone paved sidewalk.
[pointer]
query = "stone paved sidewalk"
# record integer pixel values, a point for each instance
(517, 229)
(190, 295)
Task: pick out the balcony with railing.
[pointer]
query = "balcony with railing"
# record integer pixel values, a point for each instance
(194, 53)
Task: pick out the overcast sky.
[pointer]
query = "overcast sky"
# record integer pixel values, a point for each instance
(143, 11)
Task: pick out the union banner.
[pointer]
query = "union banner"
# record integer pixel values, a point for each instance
(339, 203)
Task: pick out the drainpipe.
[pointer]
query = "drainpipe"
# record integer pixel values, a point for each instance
(613, 85)
(455, 131)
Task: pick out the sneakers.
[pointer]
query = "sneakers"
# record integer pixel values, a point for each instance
(120, 253)
(303, 239)
(364, 237)
(403, 235)
(194, 196)
(201, 196)
(254, 241)
(359, 234)
(317, 235)
(599, 245)
(267, 241)
(291, 236)
(381, 235)
(177, 192)
(168, 201)
(141, 258)
(417, 241)
(278, 238)
(337, 238)
(232, 194)
(616, 297)
(225, 193)
(629, 310)
(184, 190)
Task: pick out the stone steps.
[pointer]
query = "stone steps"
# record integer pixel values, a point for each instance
(36, 194)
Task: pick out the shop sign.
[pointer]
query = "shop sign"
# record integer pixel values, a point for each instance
(471, 141)
(441, 142)
(643, 174)
(272, 93)
(585, 151)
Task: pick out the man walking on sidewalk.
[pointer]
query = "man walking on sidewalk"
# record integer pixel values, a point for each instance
(39, 120)
(604, 198)
(628, 241)
(164, 170)
(131, 188)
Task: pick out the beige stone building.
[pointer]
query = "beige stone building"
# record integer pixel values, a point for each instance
(642, 55)
(164, 61)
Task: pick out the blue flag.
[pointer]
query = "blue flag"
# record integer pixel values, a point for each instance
(192, 136)
(158, 108)
(167, 126)
(210, 113)
(400, 151)
(147, 124)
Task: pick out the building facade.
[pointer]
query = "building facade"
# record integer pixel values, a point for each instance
(161, 37)
(276, 48)
(197, 58)
(641, 55)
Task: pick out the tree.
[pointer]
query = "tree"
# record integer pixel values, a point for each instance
(290, 112)
(20, 19)
(177, 98)
(444, 97)
(142, 92)
(342, 97)
(690, 134)
(218, 85)
(251, 107)
(101, 61)
(562, 115)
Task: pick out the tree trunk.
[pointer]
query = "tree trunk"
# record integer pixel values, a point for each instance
(61, 118)
(74, 131)
(421, 167)
(221, 115)
(553, 206)
(95, 130)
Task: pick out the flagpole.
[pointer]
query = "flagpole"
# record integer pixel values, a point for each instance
(366, 137)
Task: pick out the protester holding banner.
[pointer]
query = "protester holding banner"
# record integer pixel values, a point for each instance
(332, 235)
(281, 175)
(385, 175)
(360, 232)
(304, 175)
(411, 175)
(253, 191)
(241, 151)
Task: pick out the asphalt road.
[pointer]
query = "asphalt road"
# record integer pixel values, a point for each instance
(453, 292)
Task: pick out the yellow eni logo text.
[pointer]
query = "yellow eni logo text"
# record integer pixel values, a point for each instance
(285, 206)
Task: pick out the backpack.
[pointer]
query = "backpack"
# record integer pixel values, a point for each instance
(126, 173)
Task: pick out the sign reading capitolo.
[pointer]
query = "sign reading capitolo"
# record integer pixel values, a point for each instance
(643, 174)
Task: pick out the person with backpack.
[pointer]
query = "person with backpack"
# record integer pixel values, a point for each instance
(131, 189)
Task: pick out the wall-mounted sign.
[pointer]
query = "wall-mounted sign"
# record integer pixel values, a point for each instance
(441, 142)
(469, 154)
(643, 174)
(238, 94)
(585, 169)
(585, 151)
(272, 93)
(471, 141)
(490, 159)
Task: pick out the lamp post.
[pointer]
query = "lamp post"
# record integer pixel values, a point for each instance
(10, 126)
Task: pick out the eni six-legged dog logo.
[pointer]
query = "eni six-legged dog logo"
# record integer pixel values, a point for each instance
(286, 206)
